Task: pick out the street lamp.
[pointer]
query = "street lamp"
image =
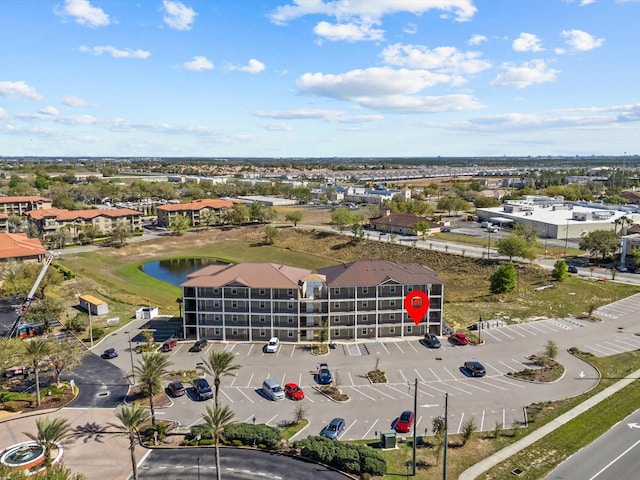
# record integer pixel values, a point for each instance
(254, 431)
(489, 244)
(133, 372)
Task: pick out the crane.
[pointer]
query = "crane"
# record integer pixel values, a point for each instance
(13, 331)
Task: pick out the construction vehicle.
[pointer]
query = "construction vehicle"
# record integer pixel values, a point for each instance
(18, 328)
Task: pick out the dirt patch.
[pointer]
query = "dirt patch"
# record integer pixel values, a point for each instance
(135, 395)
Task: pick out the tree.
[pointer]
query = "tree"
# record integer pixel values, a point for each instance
(180, 301)
(131, 420)
(180, 224)
(120, 233)
(559, 272)
(35, 352)
(270, 235)
(438, 425)
(11, 349)
(261, 212)
(294, 217)
(65, 356)
(49, 432)
(43, 311)
(446, 203)
(208, 217)
(341, 217)
(358, 232)
(237, 214)
(523, 231)
(623, 222)
(88, 233)
(216, 419)
(219, 364)
(149, 373)
(468, 429)
(600, 242)
(504, 279)
(514, 246)
(550, 351)
(421, 227)
(636, 256)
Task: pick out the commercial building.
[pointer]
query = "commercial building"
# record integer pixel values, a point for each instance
(353, 301)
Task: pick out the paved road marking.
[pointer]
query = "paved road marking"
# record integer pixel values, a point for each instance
(420, 376)
(246, 396)
(398, 345)
(225, 394)
(250, 348)
(411, 345)
(507, 382)
(486, 332)
(403, 377)
(350, 378)
(482, 421)
(434, 373)
(615, 459)
(460, 424)
(349, 428)
(491, 385)
(250, 379)
(365, 436)
(361, 393)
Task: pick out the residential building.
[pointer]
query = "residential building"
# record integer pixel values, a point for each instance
(354, 301)
(19, 247)
(21, 205)
(402, 224)
(196, 211)
(53, 219)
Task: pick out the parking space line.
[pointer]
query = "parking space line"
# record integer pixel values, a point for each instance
(434, 373)
(350, 378)
(486, 332)
(293, 351)
(283, 375)
(607, 350)
(491, 385)
(449, 372)
(507, 382)
(430, 385)
(250, 380)
(514, 329)
(361, 393)
(631, 342)
(232, 346)
(617, 346)
(225, 394)
(536, 327)
(300, 380)
(396, 390)
(425, 393)
(411, 345)
(246, 396)
(489, 365)
(403, 377)
(460, 424)
(482, 421)
(503, 331)
(250, 348)
(349, 427)
(308, 398)
(370, 428)
(447, 382)
(271, 419)
(597, 350)
(418, 373)
(398, 345)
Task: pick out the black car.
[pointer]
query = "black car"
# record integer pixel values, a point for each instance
(202, 389)
(572, 269)
(475, 369)
(110, 353)
(431, 341)
(199, 345)
(324, 375)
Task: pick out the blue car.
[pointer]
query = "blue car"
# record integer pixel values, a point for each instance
(110, 353)
(324, 374)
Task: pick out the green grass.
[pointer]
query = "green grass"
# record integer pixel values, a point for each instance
(290, 430)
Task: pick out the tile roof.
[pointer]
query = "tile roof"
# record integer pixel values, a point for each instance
(62, 214)
(34, 198)
(406, 220)
(252, 275)
(16, 245)
(214, 203)
(369, 273)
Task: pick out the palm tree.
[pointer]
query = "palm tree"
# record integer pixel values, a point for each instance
(218, 365)
(50, 432)
(216, 419)
(131, 419)
(35, 351)
(150, 371)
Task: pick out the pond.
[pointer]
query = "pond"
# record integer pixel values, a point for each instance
(175, 271)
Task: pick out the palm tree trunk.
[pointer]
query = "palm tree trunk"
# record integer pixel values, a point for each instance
(37, 375)
(216, 384)
(153, 412)
(218, 474)
(132, 449)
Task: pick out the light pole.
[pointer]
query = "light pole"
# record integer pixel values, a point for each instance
(415, 420)
(566, 239)
(489, 244)
(133, 374)
(90, 324)
(389, 231)
(198, 468)
(254, 431)
(480, 331)
(408, 464)
(446, 427)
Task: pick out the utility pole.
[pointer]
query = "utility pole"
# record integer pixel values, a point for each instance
(415, 420)
(446, 427)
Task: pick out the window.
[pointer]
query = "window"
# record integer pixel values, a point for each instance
(392, 316)
(364, 331)
(234, 331)
(392, 303)
(263, 305)
(392, 330)
(336, 305)
(392, 289)
(234, 304)
(216, 318)
(290, 319)
(290, 292)
(216, 331)
(234, 318)
(263, 332)
(261, 291)
(365, 290)
(409, 328)
(336, 291)
(290, 333)
(336, 319)
(216, 304)
(365, 304)
(290, 305)
(234, 291)
(336, 333)
(365, 318)
(216, 290)
(262, 319)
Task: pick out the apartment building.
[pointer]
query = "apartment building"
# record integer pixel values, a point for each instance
(22, 205)
(51, 220)
(195, 210)
(348, 302)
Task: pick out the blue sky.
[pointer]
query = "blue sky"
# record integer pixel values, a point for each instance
(319, 78)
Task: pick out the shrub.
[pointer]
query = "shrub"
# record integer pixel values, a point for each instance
(97, 333)
(76, 324)
(245, 433)
(358, 459)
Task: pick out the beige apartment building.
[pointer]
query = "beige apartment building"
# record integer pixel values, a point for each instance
(50, 220)
(22, 205)
(354, 301)
(194, 211)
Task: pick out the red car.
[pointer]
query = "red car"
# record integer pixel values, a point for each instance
(293, 391)
(404, 424)
(459, 338)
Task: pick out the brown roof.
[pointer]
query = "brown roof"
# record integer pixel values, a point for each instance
(213, 203)
(62, 214)
(369, 273)
(630, 195)
(34, 198)
(406, 220)
(16, 245)
(252, 275)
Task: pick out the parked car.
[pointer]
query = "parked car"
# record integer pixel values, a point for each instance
(17, 371)
(272, 390)
(622, 268)
(110, 353)
(445, 229)
(474, 368)
(404, 424)
(293, 391)
(334, 429)
(431, 340)
(324, 375)
(169, 345)
(572, 269)
(199, 345)
(202, 389)
(459, 339)
(176, 389)
(273, 345)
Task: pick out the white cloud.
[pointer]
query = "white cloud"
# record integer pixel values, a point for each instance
(276, 127)
(527, 42)
(586, 2)
(83, 13)
(410, 29)
(329, 116)
(524, 75)
(19, 89)
(72, 101)
(559, 51)
(50, 110)
(177, 15)
(477, 39)
(198, 64)
(416, 104)
(115, 52)
(581, 41)
(254, 66)
(368, 9)
(350, 32)
(445, 59)
(3, 114)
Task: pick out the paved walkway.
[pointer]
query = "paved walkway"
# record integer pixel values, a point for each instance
(489, 462)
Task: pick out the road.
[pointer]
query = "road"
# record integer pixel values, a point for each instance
(615, 455)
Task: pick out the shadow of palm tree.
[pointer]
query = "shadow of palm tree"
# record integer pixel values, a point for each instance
(91, 431)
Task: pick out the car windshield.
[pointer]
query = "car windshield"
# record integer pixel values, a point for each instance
(295, 389)
(277, 389)
(333, 427)
(405, 416)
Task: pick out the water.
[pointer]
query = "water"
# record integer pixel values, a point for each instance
(175, 271)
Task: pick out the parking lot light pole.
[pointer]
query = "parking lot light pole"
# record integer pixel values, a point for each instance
(254, 431)
(198, 468)
(480, 331)
(408, 464)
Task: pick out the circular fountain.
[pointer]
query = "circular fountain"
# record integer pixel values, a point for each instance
(27, 456)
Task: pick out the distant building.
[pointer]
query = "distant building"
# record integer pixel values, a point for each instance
(19, 247)
(402, 224)
(358, 300)
(195, 211)
(93, 305)
(21, 205)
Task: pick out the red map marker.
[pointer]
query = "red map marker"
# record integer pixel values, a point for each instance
(416, 304)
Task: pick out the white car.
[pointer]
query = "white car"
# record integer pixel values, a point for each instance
(273, 345)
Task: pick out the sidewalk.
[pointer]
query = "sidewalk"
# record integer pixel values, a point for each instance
(489, 462)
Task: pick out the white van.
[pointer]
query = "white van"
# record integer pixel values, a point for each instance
(272, 390)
